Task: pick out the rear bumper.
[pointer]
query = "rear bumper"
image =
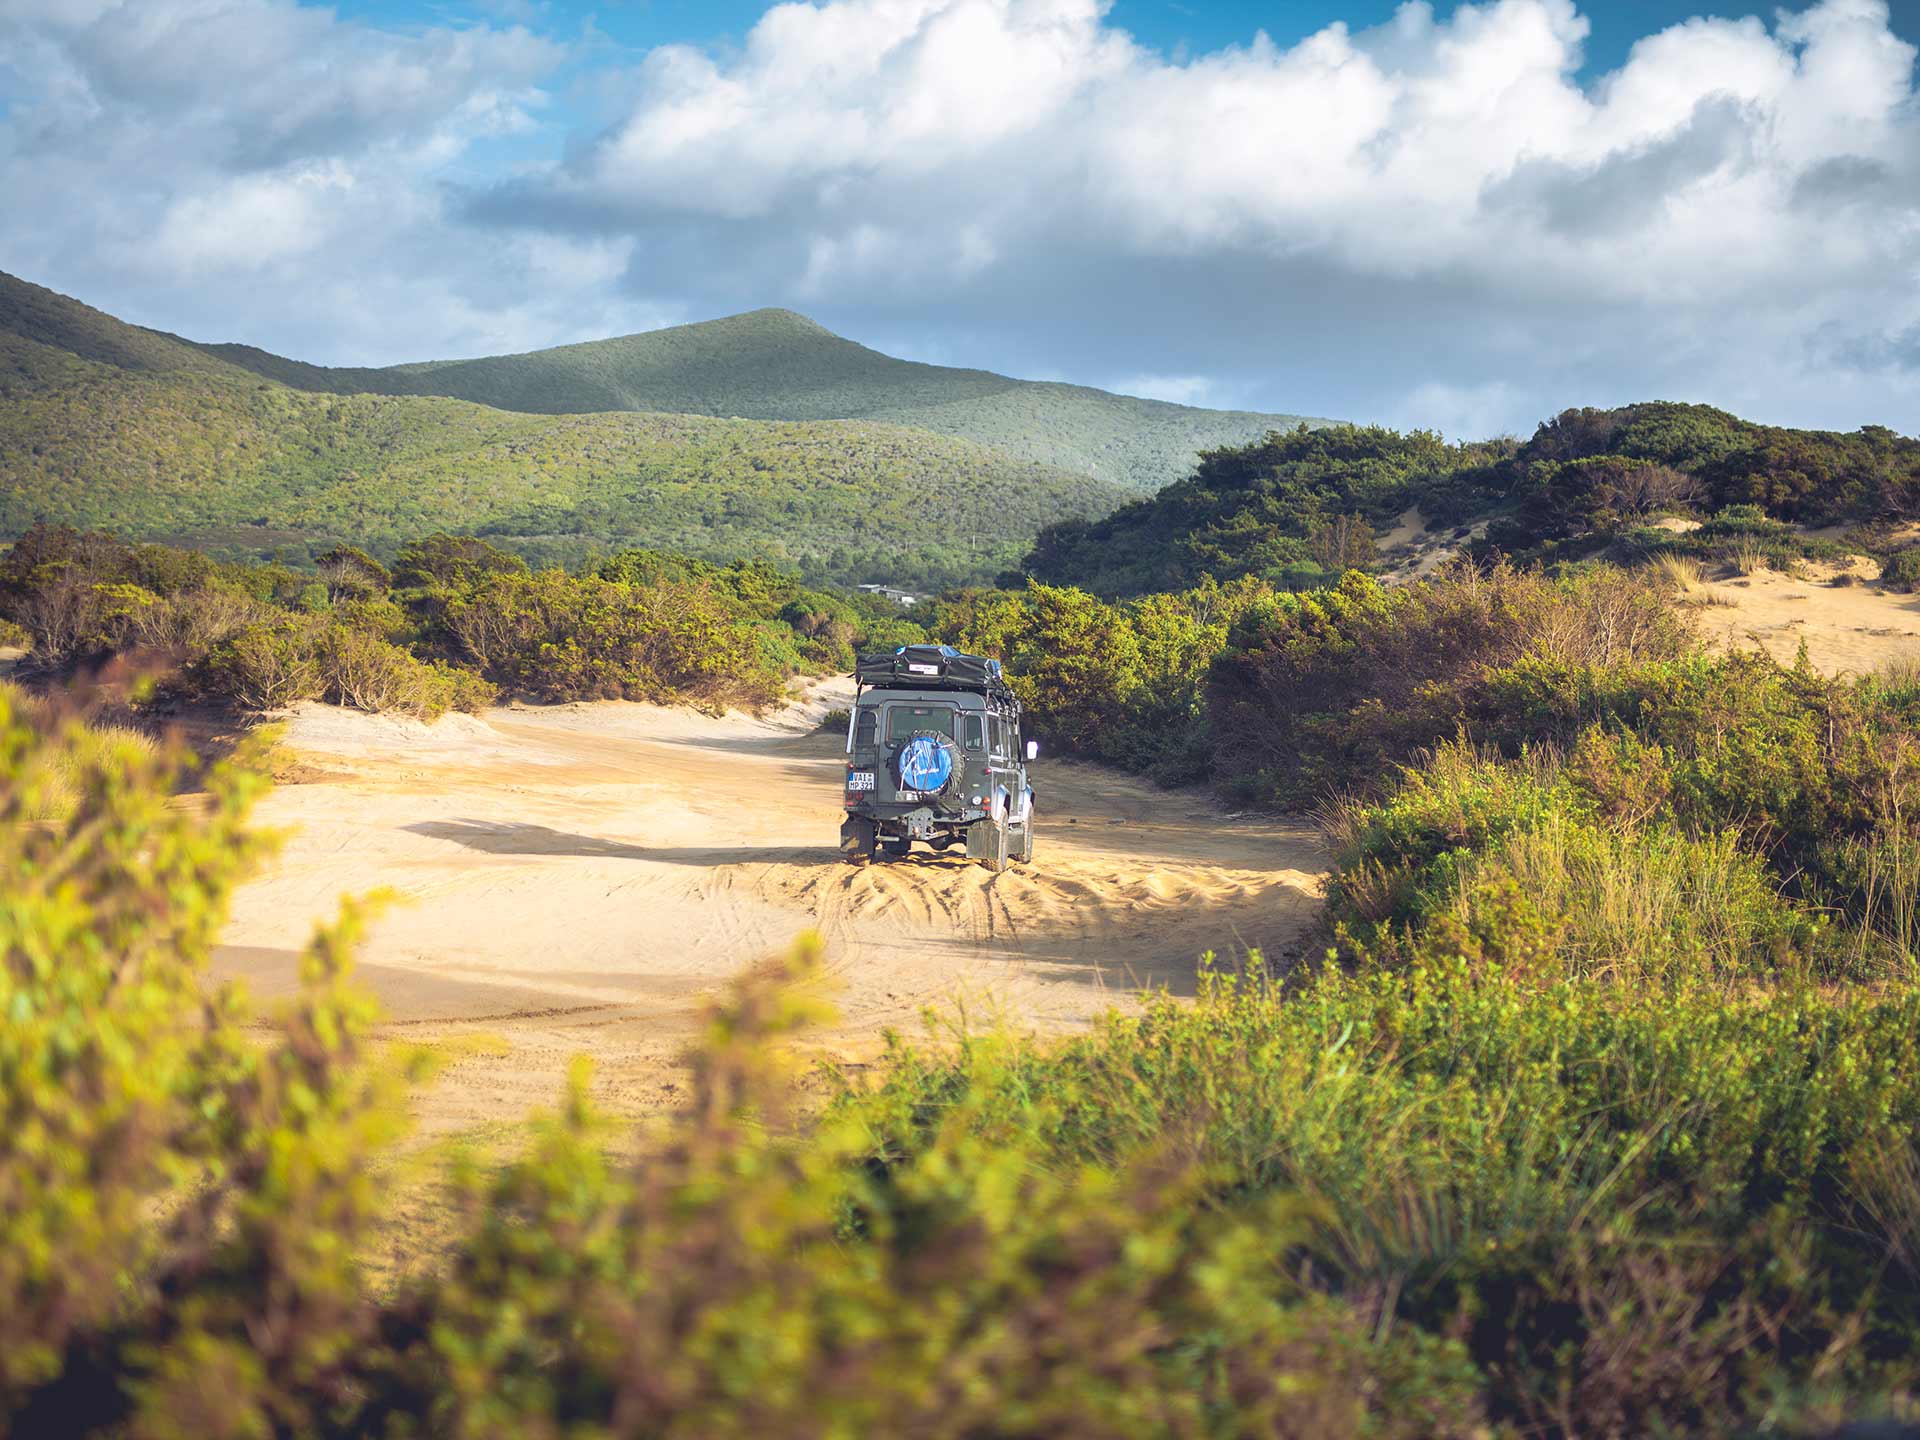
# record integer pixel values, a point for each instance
(921, 822)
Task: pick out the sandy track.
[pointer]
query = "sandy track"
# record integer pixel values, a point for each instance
(576, 880)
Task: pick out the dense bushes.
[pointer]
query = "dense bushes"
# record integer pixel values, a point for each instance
(1613, 745)
(1611, 1074)
(1902, 570)
(281, 661)
(554, 636)
(1120, 683)
(454, 621)
(1635, 1209)
(1298, 508)
(1632, 895)
(1814, 476)
(180, 1203)
(1321, 691)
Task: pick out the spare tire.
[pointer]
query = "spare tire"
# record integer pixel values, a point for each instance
(929, 763)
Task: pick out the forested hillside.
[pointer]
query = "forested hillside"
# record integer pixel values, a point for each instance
(1299, 507)
(776, 365)
(104, 423)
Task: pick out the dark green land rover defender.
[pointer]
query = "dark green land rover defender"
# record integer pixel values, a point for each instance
(935, 753)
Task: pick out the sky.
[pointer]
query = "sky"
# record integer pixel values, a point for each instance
(1459, 217)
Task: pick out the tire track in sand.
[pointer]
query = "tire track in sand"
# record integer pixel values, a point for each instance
(580, 878)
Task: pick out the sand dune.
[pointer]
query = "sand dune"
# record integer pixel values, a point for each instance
(1855, 627)
(577, 879)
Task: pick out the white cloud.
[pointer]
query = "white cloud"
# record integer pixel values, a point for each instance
(1424, 147)
(248, 223)
(1749, 183)
(1179, 389)
(1467, 412)
(1434, 221)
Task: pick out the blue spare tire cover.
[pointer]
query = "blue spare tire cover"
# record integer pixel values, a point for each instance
(925, 764)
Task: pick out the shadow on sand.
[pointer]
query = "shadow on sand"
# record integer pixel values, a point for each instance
(495, 838)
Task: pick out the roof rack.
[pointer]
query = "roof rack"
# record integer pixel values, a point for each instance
(934, 667)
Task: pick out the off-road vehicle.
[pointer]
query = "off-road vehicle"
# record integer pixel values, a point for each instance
(935, 754)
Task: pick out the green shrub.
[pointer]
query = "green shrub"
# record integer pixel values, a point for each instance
(188, 623)
(777, 650)
(1409, 857)
(1624, 899)
(1296, 507)
(736, 1283)
(88, 747)
(373, 615)
(1596, 494)
(364, 672)
(351, 573)
(1902, 570)
(466, 692)
(14, 636)
(442, 563)
(1119, 683)
(888, 631)
(1322, 692)
(272, 664)
(268, 665)
(556, 637)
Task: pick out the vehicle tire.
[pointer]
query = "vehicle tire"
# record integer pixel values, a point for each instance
(929, 763)
(856, 839)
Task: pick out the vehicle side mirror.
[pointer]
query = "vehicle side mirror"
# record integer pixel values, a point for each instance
(1033, 749)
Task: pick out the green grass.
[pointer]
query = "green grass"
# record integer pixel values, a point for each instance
(105, 424)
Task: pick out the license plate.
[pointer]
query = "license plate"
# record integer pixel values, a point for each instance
(860, 780)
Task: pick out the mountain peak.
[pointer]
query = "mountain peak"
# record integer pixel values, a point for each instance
(789, 319)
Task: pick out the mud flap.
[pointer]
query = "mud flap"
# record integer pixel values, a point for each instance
(987, 843)
(1022, 845)
(856, 839)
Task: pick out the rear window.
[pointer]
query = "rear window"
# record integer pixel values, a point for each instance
(905, 720)
(866, 725)
(970, 728)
